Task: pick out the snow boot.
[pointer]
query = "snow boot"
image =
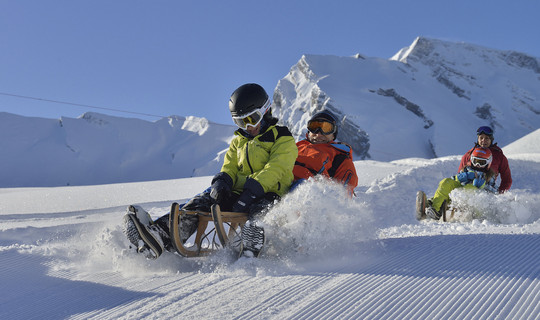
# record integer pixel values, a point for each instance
(236, 243)
(432, 213)
(252, 240)
(141, 214)
(142, 233)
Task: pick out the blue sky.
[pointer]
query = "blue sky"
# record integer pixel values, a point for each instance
(186, 57)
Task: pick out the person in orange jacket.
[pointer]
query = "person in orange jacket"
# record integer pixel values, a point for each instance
(320, 154)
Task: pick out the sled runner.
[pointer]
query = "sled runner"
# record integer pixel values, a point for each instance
(420, 205)
(205, 240)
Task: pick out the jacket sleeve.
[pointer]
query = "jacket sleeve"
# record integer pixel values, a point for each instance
(280, 164)
(230, 162)
(506, 176)
(346, 174)
(464, 161)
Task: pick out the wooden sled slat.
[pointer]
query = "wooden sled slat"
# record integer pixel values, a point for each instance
(233, 219)
(218, 223)
(216, 216)
(421, 200)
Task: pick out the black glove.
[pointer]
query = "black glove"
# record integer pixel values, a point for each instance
(221, 187)
(252, 191)
(244, 202)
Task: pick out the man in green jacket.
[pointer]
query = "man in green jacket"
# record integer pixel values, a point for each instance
(257, 170)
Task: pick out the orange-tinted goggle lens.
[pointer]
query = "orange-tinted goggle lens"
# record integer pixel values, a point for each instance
(322, 126)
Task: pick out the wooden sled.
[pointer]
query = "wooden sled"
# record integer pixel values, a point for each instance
(205, 240)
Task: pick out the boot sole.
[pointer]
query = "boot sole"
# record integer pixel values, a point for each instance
(146, 236)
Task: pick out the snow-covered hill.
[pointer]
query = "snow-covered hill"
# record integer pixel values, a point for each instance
(426, 101)
(528, 144)
(64, 255)
(99, 149)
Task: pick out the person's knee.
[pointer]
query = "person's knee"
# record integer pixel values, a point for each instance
(201, 202)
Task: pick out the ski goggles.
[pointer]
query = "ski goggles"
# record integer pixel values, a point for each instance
(321, 126)
(484, 130)
(480, 162)
(253, 118)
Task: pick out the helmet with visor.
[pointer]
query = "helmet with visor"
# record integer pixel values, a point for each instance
(481, 158)
(248, 105)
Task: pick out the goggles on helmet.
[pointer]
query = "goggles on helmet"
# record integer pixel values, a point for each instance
(484, 130)
(321, 126)
(481, 157)
(253, 118)
(480, 162)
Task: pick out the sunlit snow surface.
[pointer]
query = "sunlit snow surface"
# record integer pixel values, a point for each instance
(64, 254)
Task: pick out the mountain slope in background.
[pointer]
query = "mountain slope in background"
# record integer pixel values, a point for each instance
(100, 149)
(426, 101)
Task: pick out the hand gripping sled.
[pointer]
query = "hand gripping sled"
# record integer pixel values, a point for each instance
(205, 241)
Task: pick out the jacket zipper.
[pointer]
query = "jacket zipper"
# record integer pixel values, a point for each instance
(247, 158)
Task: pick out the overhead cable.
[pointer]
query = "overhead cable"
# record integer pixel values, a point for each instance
(79, 105)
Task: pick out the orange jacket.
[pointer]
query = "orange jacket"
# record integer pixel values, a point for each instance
(333, 160)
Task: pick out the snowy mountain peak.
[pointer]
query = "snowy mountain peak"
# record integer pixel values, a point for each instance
(195, 124)
(95, 118)
(426, 101)
(431, 51)
(420, 47)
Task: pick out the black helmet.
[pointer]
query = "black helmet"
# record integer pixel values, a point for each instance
(326, 116)
(247, 98)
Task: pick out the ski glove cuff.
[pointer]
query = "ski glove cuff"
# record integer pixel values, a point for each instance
(252, 191)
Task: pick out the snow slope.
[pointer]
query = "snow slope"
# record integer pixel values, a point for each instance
(98, 149)
(528, 144)
(64, 254)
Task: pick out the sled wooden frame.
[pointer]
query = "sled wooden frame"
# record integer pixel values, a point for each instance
(218, 217)
(445, 216)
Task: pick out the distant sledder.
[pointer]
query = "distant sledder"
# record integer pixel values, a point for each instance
(477, 175)
(478, 169)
